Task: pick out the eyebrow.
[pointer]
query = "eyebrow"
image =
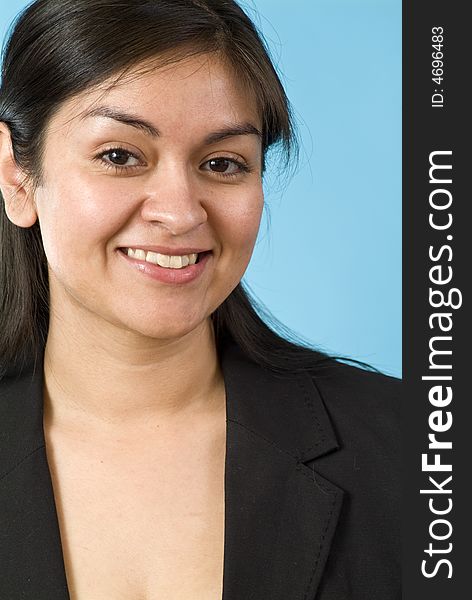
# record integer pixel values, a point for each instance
(122, 117)
(233, 129)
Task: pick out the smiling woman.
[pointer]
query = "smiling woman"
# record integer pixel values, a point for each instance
(157, 437)
(167, 181)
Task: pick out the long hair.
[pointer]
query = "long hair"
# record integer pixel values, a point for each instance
(59, 48)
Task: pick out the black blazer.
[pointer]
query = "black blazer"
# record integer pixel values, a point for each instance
(311, 486)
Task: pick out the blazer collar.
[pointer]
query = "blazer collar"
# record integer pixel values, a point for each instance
(280, 515)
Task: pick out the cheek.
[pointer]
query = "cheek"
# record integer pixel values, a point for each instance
(247, 223)
(239, 225)
(77, 217)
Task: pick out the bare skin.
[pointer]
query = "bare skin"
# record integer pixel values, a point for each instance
(141, 517)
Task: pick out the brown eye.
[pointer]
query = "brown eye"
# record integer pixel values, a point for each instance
(225, 166)
(119, 159)
(118, 156)
(220, 165)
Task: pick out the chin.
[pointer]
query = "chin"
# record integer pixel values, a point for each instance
(171, 328)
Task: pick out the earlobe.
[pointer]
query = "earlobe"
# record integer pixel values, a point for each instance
(19, 202)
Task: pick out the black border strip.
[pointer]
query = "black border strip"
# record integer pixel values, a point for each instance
(437, 268)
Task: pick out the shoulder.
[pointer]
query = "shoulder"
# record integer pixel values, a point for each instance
(365, 400)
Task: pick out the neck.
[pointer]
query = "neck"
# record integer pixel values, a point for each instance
(114, 378)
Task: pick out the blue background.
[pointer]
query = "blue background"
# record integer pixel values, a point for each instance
(328, 260)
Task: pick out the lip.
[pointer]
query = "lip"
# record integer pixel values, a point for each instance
(165, 275)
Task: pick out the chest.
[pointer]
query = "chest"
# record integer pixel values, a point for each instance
(145, 523)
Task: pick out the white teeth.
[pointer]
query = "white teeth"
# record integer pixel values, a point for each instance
(152, 257)
(163, 260)
(175, 262)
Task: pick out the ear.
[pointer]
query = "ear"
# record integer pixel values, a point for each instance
(19, 201)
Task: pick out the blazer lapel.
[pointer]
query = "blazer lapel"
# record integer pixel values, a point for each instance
(280, 515)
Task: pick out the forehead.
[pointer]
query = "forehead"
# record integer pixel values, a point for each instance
(199, 90)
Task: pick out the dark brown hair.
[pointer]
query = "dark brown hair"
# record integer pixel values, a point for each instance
(59, 48)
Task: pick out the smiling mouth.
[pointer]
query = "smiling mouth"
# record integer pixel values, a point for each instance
(164, 260)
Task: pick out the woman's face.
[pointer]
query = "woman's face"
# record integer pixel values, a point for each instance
(167, 163)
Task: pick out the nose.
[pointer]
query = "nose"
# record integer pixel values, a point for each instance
(174, 200)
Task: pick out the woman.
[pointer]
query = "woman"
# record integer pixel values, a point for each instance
(157, 438)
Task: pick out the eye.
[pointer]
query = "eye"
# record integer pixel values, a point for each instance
(225, 167)
(118, 159)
